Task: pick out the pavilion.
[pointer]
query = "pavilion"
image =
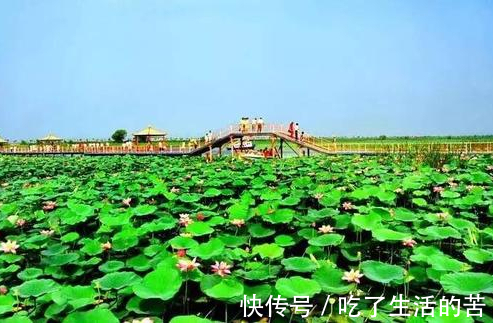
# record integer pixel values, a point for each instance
(50, 139)
(149, 134)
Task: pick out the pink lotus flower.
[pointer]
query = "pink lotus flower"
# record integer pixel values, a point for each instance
(221, 268)
(106, 246)
(175, 190)
(187, 264)
(181, 253)
(352, 276)
(347, 206)
(200, 217)
(409, 243)
(438, 189)
(20, 223)
(326, 229)
(9, 246)
(47, 233)
(49, 206)
(238, 222)
(185, 219)
(126, 202)
(3, 290)
(318, 196)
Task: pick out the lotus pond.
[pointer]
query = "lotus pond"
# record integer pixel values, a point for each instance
(110, 239)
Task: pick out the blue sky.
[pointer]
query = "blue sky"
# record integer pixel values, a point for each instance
(82, 69)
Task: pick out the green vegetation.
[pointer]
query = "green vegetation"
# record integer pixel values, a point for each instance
(179, 240)
(119, 135)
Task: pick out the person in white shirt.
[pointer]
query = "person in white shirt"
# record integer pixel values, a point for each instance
(260, 124)
(296, 130)
(254, 124)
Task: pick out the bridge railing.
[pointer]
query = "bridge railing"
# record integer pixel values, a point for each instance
(331, 146)
(328, 145)
(325, 145)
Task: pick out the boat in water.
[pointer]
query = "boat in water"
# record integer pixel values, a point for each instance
(242, 145)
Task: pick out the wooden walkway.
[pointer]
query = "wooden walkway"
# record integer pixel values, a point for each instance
(218, 142)
(307, 146)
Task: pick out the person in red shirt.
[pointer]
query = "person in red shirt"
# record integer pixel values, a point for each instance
(291, 129)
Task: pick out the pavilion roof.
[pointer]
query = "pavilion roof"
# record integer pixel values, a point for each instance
(150, 131)
(50, 137)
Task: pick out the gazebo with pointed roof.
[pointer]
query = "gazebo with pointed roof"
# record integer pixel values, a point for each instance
(149, 134)
(50, 139)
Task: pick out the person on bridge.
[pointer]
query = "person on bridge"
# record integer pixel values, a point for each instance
(302, 137)
(260, 124)
(291, 129)
(254, 125)
(296, 131)
(244, 124)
